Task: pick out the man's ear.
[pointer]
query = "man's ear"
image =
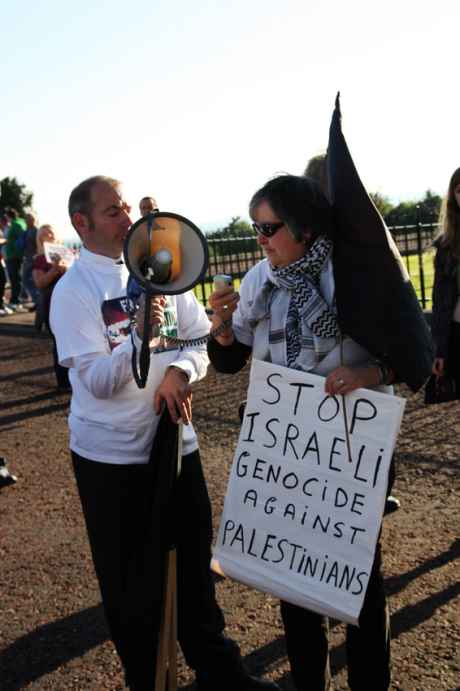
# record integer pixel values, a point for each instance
(81, 223)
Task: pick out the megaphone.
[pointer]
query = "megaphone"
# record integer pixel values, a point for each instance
(166, 254)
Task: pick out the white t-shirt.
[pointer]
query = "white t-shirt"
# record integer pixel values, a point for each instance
(111, 420)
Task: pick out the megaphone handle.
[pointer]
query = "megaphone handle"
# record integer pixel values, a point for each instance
(144, 357)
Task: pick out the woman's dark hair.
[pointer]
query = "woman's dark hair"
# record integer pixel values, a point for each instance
(80, 197)
(299, 202)
(450, 217)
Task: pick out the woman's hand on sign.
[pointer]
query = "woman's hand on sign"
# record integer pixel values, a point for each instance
(157, 313)
(59, 266)
(175, 391)
(344, 380)
(223, 304)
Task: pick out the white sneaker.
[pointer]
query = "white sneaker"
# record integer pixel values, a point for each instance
(7, 309)
(16, 307)
(3, 312)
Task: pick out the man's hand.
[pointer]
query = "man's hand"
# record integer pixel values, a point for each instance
(157, 313)
(176, 392)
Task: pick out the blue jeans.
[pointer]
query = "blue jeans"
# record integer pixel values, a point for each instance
(27, 280)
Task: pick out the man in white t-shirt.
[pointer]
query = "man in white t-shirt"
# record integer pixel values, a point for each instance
(112, 429)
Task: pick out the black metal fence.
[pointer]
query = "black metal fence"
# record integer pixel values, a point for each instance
(414, 243)
(235, 256)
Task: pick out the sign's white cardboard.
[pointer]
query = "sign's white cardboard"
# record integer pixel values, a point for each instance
(56, 252)
(304, 504)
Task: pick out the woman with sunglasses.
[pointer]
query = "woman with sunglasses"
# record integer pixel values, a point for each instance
(286, 314)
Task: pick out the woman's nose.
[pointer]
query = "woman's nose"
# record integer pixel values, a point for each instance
(261, 239)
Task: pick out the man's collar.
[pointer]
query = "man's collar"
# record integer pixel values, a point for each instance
(100, 259)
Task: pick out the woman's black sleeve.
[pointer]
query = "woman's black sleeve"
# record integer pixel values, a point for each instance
(228, 359)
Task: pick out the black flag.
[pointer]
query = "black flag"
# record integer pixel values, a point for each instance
(376, 302)
(145, 582)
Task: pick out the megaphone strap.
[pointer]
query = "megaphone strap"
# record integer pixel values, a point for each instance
(140, 373)
(200, 340)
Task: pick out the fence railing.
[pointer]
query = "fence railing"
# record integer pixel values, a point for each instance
(235, 256)
(413, 241)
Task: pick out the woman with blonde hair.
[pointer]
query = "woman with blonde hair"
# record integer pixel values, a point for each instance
(45, 275)
(446, 290)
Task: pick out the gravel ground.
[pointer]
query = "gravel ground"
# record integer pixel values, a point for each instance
(52, 630)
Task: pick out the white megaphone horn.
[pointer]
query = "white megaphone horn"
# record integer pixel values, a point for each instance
(166, 254)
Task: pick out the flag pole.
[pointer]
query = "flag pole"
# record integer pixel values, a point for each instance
(166, 667)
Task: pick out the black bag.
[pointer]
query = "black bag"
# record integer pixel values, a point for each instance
(440, 390)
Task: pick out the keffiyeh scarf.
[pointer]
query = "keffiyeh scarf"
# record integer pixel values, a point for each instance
(303, 328)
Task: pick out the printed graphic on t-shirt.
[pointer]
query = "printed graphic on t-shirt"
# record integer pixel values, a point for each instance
(168, 329)
(117, 314)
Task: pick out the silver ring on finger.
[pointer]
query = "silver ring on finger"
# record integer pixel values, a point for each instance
(340, 382)
(225, 307)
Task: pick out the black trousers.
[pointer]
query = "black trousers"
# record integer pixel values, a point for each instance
(368, 646)
(2, 283)
(116, 502)
(453, 359)
(14, 273)
(61, 373)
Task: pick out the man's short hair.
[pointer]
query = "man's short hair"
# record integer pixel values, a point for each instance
(152, 199)
(80, 197)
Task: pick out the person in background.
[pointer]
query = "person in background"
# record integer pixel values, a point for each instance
(45, 275)
(113, 424)
(445, 321)
(13, 256)
(4, 309)
(288, 315)
(30, 250)
(147, 205)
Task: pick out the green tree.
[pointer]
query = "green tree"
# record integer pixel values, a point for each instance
(430, 206)
(237, 228)
(13, 194)
(425, 210)
(382, 203)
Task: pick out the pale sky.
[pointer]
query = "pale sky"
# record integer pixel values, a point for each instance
(199, 103)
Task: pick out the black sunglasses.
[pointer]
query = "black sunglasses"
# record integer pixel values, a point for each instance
(267, 229)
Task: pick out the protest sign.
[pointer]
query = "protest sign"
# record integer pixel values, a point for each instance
(305, 499)
(55, 252)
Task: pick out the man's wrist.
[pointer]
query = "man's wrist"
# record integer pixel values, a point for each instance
(181, 371)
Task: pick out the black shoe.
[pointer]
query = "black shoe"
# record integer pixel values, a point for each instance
(248, 683)
(391, 505)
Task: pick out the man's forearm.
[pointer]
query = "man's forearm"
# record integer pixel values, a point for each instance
(105, 374)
